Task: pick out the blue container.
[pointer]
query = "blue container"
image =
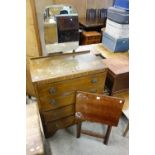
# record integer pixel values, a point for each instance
(124, 4)
(115, 45)
(118, 15)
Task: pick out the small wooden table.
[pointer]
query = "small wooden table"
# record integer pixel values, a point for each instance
(92, 24)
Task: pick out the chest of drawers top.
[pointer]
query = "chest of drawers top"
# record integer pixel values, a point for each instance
(63, 67)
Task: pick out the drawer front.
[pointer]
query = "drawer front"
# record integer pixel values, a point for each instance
(58, 113)
(48, 103)
(62, 88)
(59, 124)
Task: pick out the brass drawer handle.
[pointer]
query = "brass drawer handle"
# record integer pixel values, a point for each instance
(53, 102)
(94, 81)
(52, 90)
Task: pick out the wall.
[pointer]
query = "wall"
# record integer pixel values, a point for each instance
(82, 5)
(31, 40)
(32, 48)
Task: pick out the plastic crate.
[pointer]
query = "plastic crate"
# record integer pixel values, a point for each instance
(115, 45)
(117, 30)
(123, 4)
(118, 15)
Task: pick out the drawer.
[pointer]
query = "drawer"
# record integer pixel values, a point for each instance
(58, 113)
(50, 128)
(63, 87)
(48, 103)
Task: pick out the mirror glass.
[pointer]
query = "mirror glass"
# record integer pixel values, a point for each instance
(61, 28)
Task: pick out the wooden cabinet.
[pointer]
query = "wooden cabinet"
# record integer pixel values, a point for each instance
(56, 80)
(91, 37)
(118, 75)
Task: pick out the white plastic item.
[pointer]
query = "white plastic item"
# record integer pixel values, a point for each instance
(117, 30)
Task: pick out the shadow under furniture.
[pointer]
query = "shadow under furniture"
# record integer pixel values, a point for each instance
(97, 108)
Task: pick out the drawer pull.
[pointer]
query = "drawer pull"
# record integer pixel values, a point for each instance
(52, 90)
(53, 102)
(94, 81)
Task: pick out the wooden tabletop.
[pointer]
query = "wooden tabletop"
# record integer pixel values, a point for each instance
(117, 66)
(91, 23)
(101, 49)
(61, 67)
(118, 62)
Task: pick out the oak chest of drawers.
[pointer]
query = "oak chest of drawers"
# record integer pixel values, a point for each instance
(56, 79)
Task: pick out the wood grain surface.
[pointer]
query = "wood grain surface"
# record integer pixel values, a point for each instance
(98, 108)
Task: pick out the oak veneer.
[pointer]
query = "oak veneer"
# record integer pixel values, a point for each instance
(56, 80)
(97, 108)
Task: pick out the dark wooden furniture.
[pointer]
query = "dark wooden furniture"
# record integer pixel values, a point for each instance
(125, 96)
(97, 108)
(92, 24)
(118, 75)
(91, 37)
(56, 79)
(91, 14)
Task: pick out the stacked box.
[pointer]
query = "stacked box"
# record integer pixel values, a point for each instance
(118, 15)
(117, 30)
(116, 34)
(115, 44)
(123, 4)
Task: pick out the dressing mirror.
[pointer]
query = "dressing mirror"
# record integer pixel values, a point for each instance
(61, 28)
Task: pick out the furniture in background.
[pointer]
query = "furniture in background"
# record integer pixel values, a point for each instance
(94, 21)
(118, 75)
(116, 35)
(91, 37)
(90, 14)
(101, 14)
(56, 87)
(97, 108)
(125, 96)
(92, 25)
